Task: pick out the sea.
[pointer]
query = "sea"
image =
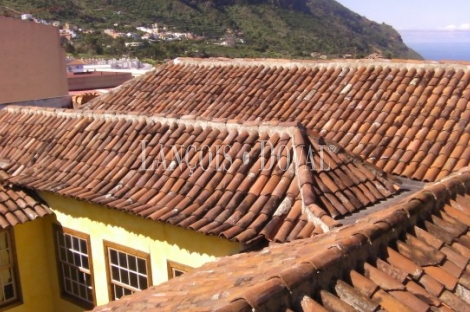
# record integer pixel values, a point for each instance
(439, 45)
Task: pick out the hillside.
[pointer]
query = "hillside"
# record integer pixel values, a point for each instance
(285, 28)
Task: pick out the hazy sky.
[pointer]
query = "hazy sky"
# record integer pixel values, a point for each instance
(415, 14)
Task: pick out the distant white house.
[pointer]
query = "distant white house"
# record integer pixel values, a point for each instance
(41, 21)
(76, 66)
(112, 33)
(134, 44)
(147, 37)
(145, 29)
(133, 66)
(26, 17)
(68, 33)
(132, 35)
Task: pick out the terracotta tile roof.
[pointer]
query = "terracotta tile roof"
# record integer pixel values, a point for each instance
(409, 118)
(80, 99)
(410, 257)
(18, 205)
(77, 62)
(263, 180)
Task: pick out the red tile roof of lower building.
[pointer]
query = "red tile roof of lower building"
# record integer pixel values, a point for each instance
(18, 205)
(413, 256)
(77, 62)
(409, 118)
(241, 181)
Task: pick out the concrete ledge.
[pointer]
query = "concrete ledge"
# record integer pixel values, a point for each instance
(96, 80)
(55, 102)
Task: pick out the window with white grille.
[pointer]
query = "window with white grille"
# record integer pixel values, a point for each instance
(9, 288)
(74, 264)
(128, 270)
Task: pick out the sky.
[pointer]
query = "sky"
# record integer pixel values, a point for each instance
(415, 14)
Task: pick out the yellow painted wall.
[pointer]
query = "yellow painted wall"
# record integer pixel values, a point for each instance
(163, 242)
(33, 266)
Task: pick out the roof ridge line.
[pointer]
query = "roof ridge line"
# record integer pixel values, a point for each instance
(335, 63)
(187, 120)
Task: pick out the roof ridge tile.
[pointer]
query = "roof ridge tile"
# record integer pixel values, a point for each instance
(192, 120)
(333, 63)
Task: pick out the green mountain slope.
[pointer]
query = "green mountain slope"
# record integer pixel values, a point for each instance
(289, 28)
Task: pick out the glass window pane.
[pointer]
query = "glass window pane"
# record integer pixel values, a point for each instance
(87, 279)
(69, 256)
(177, 272)
(74, 273)
(89, 294)
(85, 263)
(113, 256)
(118, 292)
(82, 277)
(68, 241)
(77, 260)
(142, 282)
(60, 239)
(76, 244)
(122, 260)
(133, 264)
(133, 281)
(62, 254)
(83, 247)
(9, 291)
(127, 291)
(68, 285)
(82, 291)
(74, 288)
(65, 271)
(141, 266)
(115, 273)
(124, 276)
(7, 277)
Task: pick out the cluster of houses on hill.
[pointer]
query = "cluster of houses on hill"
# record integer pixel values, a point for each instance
(156, 32)
(66, 30)
(153, 33)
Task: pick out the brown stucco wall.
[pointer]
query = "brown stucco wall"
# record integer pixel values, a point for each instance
(32, 62)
